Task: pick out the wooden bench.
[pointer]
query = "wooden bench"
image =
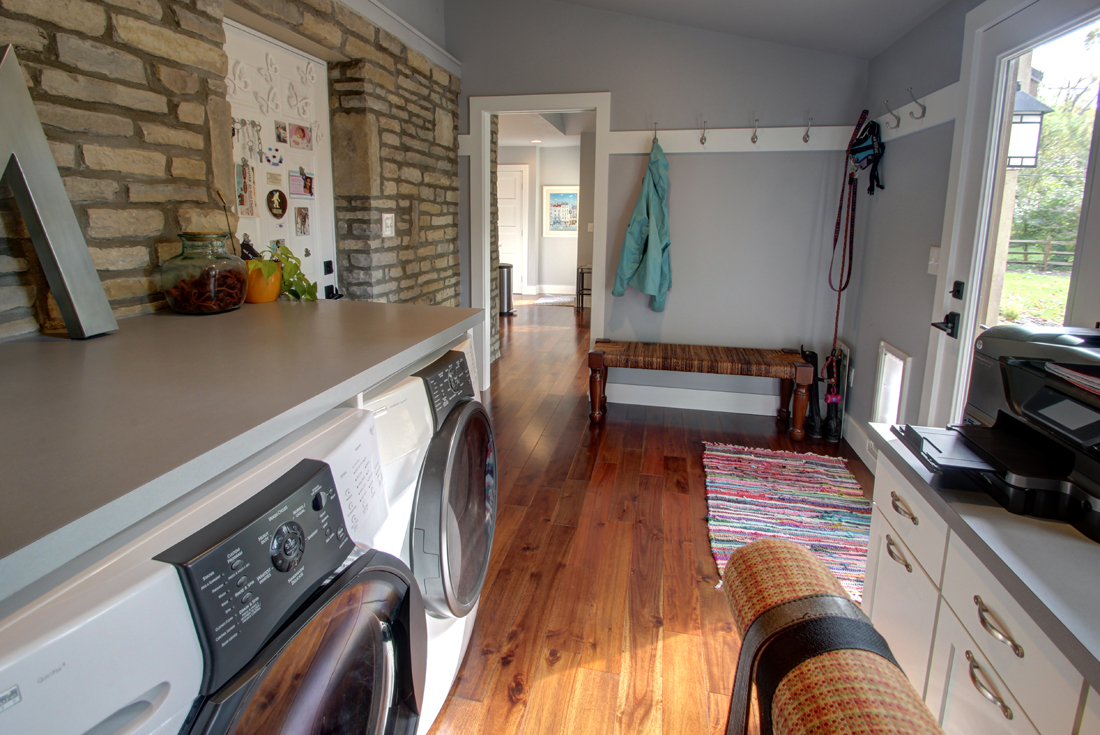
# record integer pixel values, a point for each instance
(784, 365)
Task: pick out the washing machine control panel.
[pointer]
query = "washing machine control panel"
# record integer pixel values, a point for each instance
(448, 382)
(248, 571)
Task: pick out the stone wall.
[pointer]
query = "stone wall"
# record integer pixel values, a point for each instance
(494, 242)
(131, 95)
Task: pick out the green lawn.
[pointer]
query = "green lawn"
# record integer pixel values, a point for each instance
(1034, 298)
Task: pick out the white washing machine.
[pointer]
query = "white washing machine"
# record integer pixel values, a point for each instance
(439, 470)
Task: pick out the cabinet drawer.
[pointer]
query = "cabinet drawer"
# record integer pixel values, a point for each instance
(1043, 680)
(922, 530)
(964, 692)
(902, 600)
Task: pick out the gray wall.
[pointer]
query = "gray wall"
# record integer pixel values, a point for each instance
(657, 72)
(529, 155)
(750, 236)
(557, 255)
(891, 293)
(425, 16)
(587, 205)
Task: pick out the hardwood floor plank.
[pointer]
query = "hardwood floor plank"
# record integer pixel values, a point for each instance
(530, 477)
(591, 526)
(590, 709)
(604, 632)
(681, 603)
(627, 481)
(721, 643)
(718, 712)
(685, 702)
(458, 717)
(570, 503)
(571, 605)
(675, 473)
(653, 457)
(556, 674)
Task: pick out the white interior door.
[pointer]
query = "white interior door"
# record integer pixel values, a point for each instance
(512, 220)
(281, 149)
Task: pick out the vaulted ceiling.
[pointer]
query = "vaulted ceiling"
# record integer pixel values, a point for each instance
(860, 28)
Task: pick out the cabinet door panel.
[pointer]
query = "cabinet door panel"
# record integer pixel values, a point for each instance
(961, 682)
(903, 606)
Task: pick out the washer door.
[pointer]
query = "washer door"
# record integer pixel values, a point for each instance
(455, 512)
(352, 663)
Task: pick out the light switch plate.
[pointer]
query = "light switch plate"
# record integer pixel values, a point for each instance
(388, 224)
(591, 228)
(934, 260)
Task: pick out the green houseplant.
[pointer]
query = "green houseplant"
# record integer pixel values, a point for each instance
(293, 282)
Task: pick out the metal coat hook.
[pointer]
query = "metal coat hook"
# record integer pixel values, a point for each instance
(893, 114)
(923, 108)
(755, 129)
(703, 140)
(806, 135)
(654, 132)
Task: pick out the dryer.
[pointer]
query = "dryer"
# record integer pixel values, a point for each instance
(439, 469)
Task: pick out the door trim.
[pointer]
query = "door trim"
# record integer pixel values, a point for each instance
(971, 183)
(525, 246)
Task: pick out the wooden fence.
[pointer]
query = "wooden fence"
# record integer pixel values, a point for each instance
(1041, 254)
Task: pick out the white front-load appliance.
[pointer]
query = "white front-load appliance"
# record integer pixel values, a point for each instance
(197, 617)
(439, 469)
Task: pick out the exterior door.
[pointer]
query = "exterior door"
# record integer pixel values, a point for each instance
(281, 149)
(512, 219)
(1083, 307)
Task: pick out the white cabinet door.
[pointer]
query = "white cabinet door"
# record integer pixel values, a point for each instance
(964, 693)
(512, 221)
(902, 602)
(281, 149)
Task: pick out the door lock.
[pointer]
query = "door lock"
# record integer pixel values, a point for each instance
(950, 324)
(958, 290)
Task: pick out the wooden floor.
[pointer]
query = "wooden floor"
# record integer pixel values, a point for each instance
(599, 613)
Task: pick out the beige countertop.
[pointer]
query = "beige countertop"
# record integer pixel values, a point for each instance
(98, 434)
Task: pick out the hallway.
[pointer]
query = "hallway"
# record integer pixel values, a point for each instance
(599, 613)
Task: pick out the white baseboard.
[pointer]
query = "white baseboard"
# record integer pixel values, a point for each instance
(557, 290)
(704, 400)
(857, 437)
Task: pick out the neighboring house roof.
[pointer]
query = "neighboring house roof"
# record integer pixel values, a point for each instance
(1026, 103)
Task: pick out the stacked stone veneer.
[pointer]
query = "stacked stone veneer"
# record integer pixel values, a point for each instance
(131, 95)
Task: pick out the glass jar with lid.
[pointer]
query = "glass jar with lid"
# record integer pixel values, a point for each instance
(204, 278)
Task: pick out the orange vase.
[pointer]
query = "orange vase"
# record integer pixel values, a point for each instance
(262, 290)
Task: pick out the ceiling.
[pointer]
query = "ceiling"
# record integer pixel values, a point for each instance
(860, 28)
(554, 129)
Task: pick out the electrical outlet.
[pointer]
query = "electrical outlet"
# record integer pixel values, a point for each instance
(591, 227)
(934, 260)
(389, 224)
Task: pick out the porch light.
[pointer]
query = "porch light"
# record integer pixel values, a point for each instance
(1027, 128)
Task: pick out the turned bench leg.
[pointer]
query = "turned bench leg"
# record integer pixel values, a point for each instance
(804, 375)
(597, 385)
(786, 387)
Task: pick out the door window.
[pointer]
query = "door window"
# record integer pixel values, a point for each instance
(471, 509)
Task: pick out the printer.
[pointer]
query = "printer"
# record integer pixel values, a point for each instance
(1031, 435)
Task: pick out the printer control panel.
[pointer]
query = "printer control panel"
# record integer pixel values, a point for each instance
(245, 573)
(448, 383)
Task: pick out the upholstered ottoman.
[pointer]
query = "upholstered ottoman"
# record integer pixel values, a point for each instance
(818, 664)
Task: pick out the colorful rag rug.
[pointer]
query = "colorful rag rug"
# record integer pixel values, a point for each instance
(805, 498)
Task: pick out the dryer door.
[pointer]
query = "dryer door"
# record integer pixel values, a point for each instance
(455, 512)
(353, 662)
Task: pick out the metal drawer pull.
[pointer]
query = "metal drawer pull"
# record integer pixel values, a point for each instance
(983, 689)
(901, 510)
(994, 631)
(896, 555)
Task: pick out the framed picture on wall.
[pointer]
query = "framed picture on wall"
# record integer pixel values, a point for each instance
(559, 211)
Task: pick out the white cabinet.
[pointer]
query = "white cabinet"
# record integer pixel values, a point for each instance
(964, 693)
(922, 530)
(903, 600)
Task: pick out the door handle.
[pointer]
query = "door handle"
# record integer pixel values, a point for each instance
(896, 555)
(950, 324)
(993, 630)
(901, 509)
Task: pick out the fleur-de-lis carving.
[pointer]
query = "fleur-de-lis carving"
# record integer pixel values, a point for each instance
(271, 69)
(307, 74)
(300, 103)
(268, 103)
(237, 81)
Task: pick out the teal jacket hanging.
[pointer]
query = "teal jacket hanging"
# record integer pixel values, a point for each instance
(644, 262)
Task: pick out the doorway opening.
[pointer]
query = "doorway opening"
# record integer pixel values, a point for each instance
(1035, 239)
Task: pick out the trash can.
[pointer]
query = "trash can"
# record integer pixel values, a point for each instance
(506, 307)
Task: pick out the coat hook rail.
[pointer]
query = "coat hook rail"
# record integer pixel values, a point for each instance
(923, 108)
(897, 118)
(806, 135)
(755, 130)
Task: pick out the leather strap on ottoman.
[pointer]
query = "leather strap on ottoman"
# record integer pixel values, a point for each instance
(818, 663)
